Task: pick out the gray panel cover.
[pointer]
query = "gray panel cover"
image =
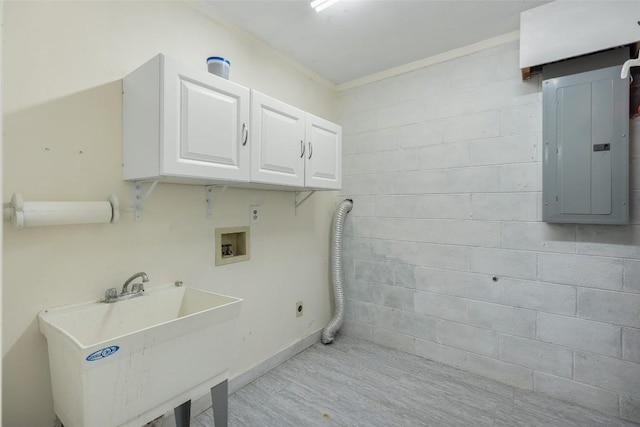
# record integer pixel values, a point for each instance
(585, 142)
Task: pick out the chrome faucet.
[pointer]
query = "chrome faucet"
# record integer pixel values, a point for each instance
(144, 277)
(137, 289)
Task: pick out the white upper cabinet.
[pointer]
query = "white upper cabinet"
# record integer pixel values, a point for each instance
(184, 125)
(324, 154)
(189, 126)
(278, 142)
(293, 148)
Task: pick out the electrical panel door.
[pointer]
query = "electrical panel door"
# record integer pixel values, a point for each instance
(585, 141)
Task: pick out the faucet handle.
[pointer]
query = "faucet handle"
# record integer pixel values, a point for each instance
(137, 287)
(110, 293)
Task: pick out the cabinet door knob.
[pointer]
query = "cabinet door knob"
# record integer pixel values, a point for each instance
(310, 150)
(302, 148)
(245, 132)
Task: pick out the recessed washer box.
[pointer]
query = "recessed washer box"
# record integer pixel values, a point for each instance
(232, 245)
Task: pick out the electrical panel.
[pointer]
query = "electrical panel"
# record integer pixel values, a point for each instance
(585, 165)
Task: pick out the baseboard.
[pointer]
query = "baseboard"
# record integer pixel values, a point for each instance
(203, 403)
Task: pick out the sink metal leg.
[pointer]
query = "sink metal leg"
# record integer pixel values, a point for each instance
(220, 401)
(183, 414)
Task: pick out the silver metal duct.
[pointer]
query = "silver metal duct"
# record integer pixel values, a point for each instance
(336, 270)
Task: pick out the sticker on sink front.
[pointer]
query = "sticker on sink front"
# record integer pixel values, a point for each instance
(102, 353)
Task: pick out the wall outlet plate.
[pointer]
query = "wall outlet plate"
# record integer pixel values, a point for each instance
(255, 214)
(299, 309)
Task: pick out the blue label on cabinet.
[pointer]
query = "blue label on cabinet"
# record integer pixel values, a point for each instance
(102, 353)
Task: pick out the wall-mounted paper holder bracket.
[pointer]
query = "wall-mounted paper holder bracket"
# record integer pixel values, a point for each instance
(211, 197)
(139, 196)
(300, 199)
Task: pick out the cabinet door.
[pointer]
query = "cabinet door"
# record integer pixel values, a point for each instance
(278, 146)
(324, 154)
(206, 122)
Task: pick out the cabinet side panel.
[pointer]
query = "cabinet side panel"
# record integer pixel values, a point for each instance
(141, 121)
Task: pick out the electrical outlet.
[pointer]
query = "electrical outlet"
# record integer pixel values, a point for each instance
(299, 310)
(255, 214)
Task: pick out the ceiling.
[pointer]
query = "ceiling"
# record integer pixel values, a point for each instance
(356, 38)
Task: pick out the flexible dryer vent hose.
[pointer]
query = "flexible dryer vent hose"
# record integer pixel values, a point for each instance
(336, 270)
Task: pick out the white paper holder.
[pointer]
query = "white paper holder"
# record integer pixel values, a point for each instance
(34, 214)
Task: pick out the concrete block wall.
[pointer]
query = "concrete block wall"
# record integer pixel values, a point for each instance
(446, 256)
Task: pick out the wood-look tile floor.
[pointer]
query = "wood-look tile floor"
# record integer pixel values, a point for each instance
(353, 382)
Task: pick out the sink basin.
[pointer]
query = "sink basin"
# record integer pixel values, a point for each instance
(128, 362)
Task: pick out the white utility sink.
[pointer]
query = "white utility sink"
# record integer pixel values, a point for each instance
(128, 362)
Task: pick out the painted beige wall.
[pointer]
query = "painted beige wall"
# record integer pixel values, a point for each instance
(1, 192)
(62, 68)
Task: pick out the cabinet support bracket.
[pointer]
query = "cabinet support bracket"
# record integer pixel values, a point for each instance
(210, 197)
(300, 199)
(140, 196)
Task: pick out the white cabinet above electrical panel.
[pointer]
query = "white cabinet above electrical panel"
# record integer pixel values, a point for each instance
(567, 29)
(184, 125)
(293, 148)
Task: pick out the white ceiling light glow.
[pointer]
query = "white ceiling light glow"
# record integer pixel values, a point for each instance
(320, 5)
